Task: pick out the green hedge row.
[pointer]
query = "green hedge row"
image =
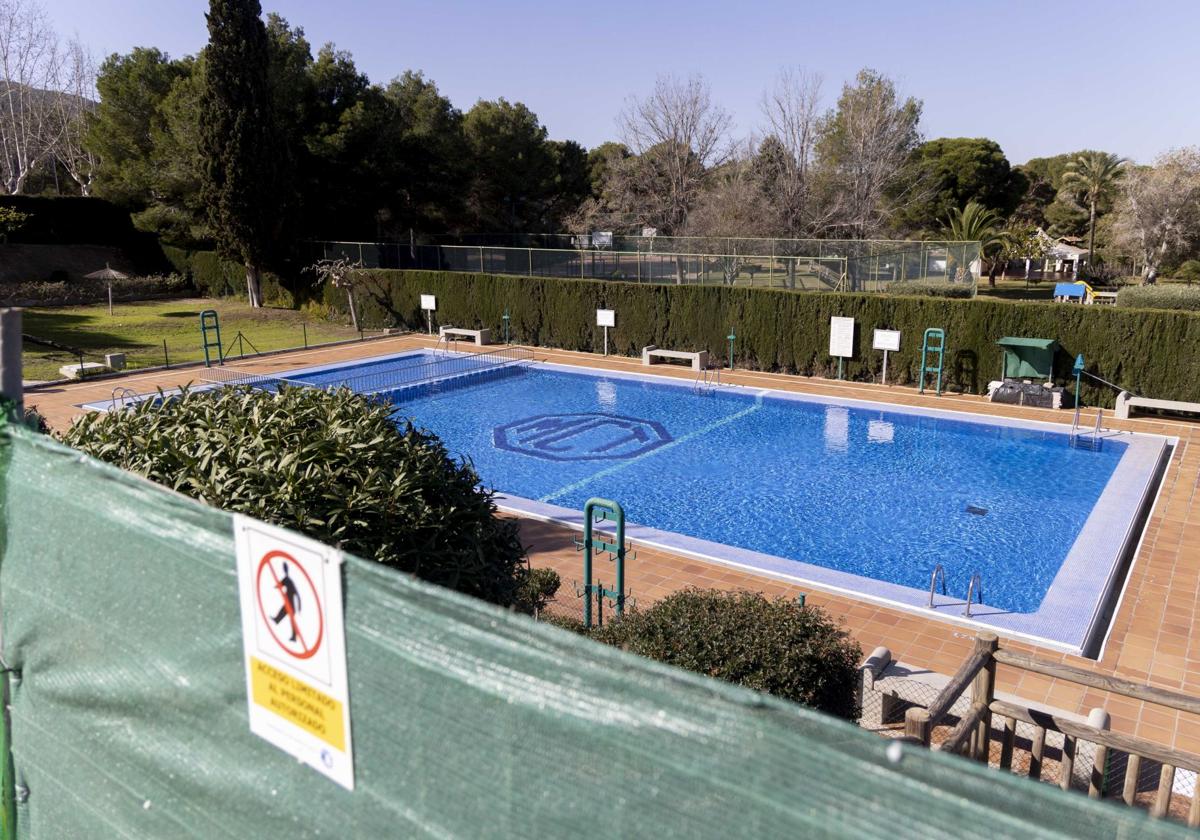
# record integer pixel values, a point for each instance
(71, 220)
(215, 277)
(1156, 353)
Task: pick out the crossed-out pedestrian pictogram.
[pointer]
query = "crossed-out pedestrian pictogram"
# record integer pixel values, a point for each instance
(289, 605)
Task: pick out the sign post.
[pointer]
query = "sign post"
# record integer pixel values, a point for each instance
(841, 340)
(294, 642)
(429, 304)
(606, 318)
(889, 342)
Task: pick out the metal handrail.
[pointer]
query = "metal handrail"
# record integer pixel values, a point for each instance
(938, 571)
(975, 587)
(123, 394)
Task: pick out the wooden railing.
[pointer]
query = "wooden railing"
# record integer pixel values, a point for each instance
(971, 736)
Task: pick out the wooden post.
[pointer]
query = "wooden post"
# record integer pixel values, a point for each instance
(916, 724)
(1162, 799)
(1133, 769)
(1099, 719)
(11, 385)
(983, 692)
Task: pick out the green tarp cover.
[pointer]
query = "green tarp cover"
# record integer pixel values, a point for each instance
(128, 709)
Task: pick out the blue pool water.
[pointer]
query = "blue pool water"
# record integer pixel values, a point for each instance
(880, 494)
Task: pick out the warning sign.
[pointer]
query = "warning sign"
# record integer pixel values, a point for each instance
(295, 647)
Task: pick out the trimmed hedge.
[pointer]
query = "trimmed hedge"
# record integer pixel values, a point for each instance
(71, 220)
(1160, 297)
(1155, 352)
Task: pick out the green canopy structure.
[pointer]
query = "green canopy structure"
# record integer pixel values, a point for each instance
(1027, 358)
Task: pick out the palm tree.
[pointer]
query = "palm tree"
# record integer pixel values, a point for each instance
(976, 223)
(1093, 175)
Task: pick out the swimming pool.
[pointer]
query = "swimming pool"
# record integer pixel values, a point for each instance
(854, 496)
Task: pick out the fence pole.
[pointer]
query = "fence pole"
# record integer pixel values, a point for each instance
(166, 358)
(11, 384)
(983, 692)
(530, 252)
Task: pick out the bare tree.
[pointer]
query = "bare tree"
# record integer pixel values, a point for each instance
(864, 144)
(731, 209)
(788, 154)
(677, 134)
(1159, 214)
(72, 104)
(28, 68)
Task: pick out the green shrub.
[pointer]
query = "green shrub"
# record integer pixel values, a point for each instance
(942, 290)
(1189, 271)
(539, 587)
(328, 464)
(1155, 353)
(1160, 297)
(775, 646)
(215, 277)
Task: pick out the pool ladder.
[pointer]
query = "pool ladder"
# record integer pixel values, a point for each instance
(707, 378)
(1079, 440)
(443, 347)
(974, 588)
(121, 395)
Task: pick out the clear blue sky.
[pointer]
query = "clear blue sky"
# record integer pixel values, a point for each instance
(1038, 77)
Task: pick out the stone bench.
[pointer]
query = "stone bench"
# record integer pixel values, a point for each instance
(480, 337)
(80, 371)
(653, 354)
(1126, 401)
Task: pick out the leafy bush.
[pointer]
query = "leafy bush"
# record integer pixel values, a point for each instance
(1189, 271)
(328, 464)
(943, 290)
(775, 646)
(1160, 297)
(215, 277)
(1155, 352)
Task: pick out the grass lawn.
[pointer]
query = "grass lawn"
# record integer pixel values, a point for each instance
(139, 329)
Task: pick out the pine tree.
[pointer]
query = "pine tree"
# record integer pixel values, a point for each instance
(239, 140)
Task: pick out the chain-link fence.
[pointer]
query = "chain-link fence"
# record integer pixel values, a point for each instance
(812, 265)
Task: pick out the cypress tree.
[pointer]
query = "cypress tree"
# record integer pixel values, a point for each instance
(240, 144)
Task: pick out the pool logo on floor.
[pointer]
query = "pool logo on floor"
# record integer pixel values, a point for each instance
(581, 437)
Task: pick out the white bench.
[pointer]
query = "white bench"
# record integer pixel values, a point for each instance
(1126, 401)
(481, 337)
(652, 354)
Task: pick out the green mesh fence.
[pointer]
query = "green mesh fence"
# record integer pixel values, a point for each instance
(128, 708)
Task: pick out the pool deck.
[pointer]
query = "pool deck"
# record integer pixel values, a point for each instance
(1155, 635)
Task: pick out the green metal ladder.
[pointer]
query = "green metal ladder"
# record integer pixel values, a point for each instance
(935, 343)
(595, 511)
(210, 336)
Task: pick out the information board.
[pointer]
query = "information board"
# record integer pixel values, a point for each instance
(841, 337)
(887, 340)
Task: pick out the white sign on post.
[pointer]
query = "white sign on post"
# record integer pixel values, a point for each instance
(606, 318)
(889, 342)
(294, 641)
(841, 337)
(429, 303)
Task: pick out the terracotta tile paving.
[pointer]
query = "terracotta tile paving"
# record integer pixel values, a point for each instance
(1154, 636)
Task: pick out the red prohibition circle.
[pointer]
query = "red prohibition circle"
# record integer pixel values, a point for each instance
(265, 564)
